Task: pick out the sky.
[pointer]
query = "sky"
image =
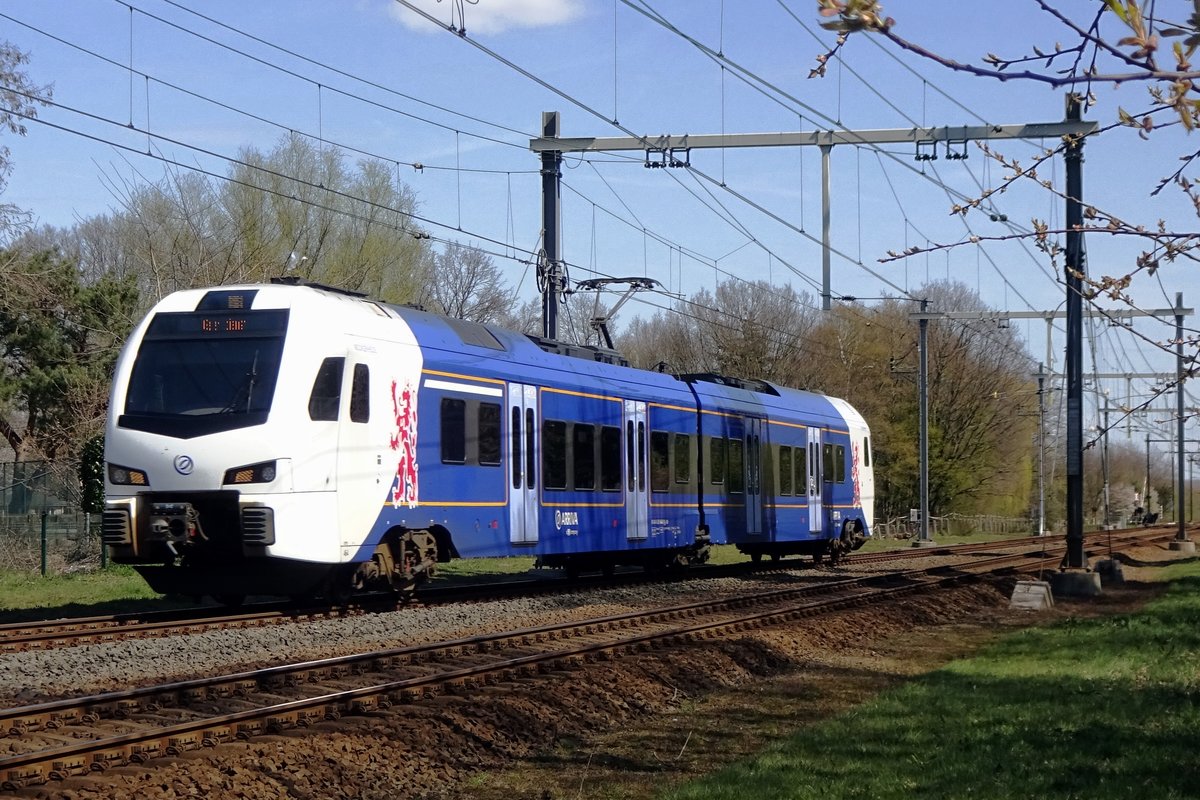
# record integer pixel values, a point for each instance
(379, 80)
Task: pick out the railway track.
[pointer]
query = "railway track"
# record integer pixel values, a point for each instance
(53, 741)
(71, 631)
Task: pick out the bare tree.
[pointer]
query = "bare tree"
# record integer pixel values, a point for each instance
(1110, 43)
(19, 99)
(466, 284)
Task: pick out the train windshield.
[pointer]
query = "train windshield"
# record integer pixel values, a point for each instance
(200, 373)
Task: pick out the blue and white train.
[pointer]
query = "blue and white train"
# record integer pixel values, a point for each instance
(295, 440)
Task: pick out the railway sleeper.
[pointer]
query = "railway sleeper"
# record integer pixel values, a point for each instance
(20, 778)
(182, 742)
(66, 767)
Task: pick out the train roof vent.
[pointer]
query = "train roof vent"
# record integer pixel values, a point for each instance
(750, 385)
(584, 351)
(227, 300)
(474, 333)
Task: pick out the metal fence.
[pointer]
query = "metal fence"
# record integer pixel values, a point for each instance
(954, 525)
(42, 526)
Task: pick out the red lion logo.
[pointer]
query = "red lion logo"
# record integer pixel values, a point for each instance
(404, 440)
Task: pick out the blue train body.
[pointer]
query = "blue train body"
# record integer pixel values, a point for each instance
(284, 439)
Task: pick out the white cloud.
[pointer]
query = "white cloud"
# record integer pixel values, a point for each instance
(490, 16)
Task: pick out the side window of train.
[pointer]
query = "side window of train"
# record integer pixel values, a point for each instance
(683, 458)
(839, 464)
(489, 434)
(716, 460)
(583, 444)
(827, 463)
(737, 466)
(866, 451)
(454, 431)
(801, 471)
(360, 394)
(554, 454)
(785, 469)
(660, 475)
(326, 393)
(610, 458)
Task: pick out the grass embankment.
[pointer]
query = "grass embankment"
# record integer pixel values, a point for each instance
(1088, 708)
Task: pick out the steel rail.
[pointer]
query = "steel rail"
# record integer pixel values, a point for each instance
(138, 746)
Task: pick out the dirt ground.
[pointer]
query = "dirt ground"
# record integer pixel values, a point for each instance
(617, 729)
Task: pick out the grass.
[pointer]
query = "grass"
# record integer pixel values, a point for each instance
(1096, 708)
(27, 596)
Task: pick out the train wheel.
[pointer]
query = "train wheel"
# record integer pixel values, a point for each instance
(755, 557)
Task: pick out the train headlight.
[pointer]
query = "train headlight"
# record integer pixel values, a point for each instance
(263, 472)
(127, 476)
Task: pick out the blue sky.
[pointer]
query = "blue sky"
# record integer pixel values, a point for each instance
(471, 131)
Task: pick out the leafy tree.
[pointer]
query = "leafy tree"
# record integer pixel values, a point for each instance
(59, 340)
(91, 475)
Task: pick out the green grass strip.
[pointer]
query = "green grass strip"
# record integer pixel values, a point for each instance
(1096, 708)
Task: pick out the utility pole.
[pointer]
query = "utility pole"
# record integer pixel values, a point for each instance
(1181, 542)
(550, 266)
(923, 390)
(1041, 450)
(1073, 271)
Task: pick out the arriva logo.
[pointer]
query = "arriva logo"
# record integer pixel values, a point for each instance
(565, 518)
(184, 465)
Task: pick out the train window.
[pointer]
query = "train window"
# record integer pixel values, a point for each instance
(530, 458)
(454, 431)
(515, 435)
(866, 452)
(610, 458)
(629, 453)
(583, 444)
(489, 434)
(326, 393)
(827, 463)
(716, 459)
(554, 454)
(660, 474)
(737, 467)
(785, 470)
(360, 394)
(839, 464)
(641, 456)
(801, 471)
(683, 458)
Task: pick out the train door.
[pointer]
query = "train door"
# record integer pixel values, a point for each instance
(637, 500)
(753, 477)
(359, 456)
(816, 483)
(522, 463)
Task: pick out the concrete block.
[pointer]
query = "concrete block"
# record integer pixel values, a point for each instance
(1032, 596)
(926, 543)
(1075, 583)
(1183, 546)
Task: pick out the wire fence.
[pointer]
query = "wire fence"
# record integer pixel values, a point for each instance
(42, 526)
(954, 525)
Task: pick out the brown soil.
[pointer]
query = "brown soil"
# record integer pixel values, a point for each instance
(618, 729)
